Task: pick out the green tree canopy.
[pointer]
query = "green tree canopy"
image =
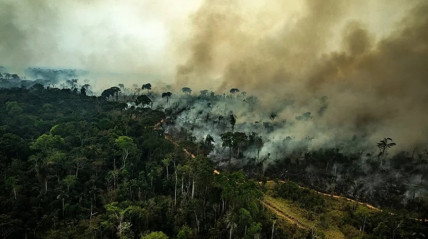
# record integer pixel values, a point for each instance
(155, 235)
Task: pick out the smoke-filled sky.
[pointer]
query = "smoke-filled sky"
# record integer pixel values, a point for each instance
(369, 58)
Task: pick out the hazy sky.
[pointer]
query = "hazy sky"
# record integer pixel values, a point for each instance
(103, 36)
(369, 58)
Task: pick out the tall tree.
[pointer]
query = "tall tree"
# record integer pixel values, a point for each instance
(186, 90)
(127, 145)
(47, 147)
(232, 121)
(166, 95)
(240, 140)
(83, 91)
(227, 139)
(147, 87)
(143, 100)
(112, 91)
(383, 146)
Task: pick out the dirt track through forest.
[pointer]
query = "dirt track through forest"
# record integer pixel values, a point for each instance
(167, 137)
(348, 199)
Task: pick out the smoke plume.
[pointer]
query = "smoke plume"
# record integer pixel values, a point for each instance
(370, 68)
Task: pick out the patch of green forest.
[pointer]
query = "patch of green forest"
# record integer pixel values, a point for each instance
(76, 166)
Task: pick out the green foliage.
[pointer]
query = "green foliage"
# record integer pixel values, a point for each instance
(155, 235)
(185, 233)
(69, 181)
(80, 167)
(254, 230)
(143, 100)
(12, 108)
(237, 142)
(125, 142)
(46, 143)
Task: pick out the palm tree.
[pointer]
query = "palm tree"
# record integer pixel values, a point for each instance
(383, 146)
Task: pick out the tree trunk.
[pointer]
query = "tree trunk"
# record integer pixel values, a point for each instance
(193, 186)
(63, 207)
(114, 173)
(382, 157)
(182, 185)
(125, 156)
(273, 229)
(197, 222)
(175, 190)
(46, 185)
(120, 229)
(364, 223)
(222, 206)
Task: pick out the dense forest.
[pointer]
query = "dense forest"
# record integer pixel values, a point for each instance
(126, 165)
(79, 166)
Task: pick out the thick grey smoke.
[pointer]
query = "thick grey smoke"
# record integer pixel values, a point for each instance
(370, 67)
